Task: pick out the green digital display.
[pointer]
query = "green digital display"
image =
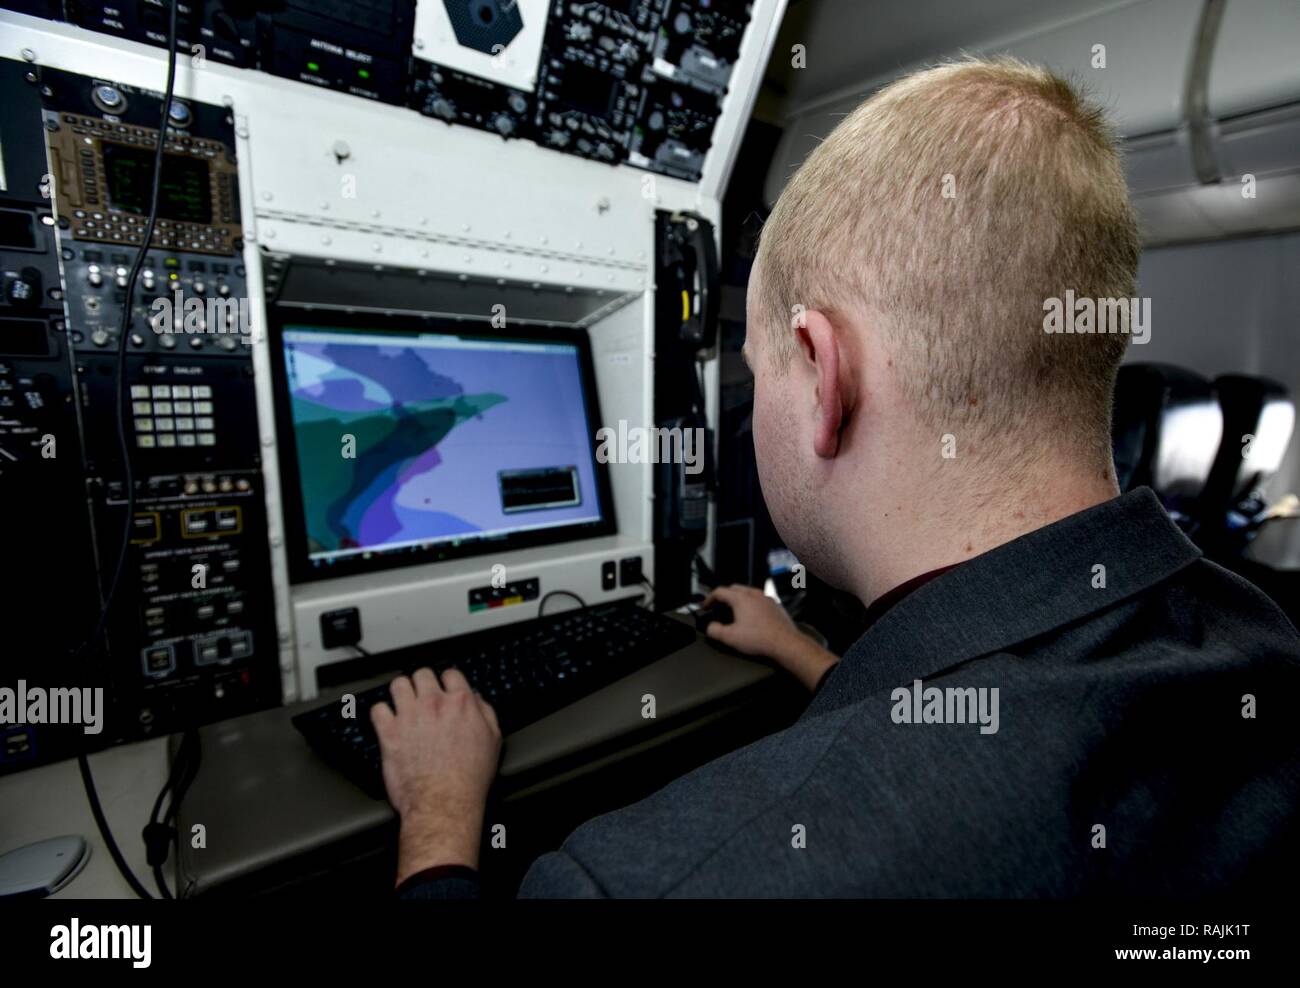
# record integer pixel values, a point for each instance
(184, 195)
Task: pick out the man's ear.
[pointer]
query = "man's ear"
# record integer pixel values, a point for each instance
(822, 349)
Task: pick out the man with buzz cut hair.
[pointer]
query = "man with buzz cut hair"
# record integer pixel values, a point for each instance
(924, 444)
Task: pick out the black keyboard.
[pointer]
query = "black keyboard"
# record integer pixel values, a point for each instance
(525, 670)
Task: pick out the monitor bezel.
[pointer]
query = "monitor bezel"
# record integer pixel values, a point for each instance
(302, 569)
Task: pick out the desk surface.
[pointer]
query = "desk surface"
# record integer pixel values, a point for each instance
(263, 796)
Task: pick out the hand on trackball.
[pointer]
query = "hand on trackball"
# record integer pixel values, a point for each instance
(760, 626)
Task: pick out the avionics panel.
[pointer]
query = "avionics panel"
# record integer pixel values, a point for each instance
(407, 441)
(223, 30)
(190, 636)
(460, 98)
(48, 607)
(102, 137)
(101, 147)
(635, 81)
(360, 47)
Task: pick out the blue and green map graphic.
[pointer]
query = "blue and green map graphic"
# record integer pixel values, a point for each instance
(434, 419)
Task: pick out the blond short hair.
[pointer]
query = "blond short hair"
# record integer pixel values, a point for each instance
(950, 205)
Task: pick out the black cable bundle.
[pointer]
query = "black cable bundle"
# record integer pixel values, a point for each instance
(124, 331)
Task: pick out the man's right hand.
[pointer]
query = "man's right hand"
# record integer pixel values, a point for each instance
(762, 627)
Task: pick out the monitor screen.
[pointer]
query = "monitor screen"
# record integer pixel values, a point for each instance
(412, 445)
(184, 194)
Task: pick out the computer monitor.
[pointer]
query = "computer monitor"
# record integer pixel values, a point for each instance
(406, 440)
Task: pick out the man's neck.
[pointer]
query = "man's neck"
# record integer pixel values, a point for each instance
(904, 538)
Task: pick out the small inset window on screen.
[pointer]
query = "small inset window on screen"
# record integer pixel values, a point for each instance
(539, 489)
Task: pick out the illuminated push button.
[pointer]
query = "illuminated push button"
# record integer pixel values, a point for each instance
(167, 439)
(109, 97)
(145, 442)
(162, 408)
(139, 391)
(207, 439)
(181, 391)
(141, 407)
(144, 425)
(162, 391)
(185, 438)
